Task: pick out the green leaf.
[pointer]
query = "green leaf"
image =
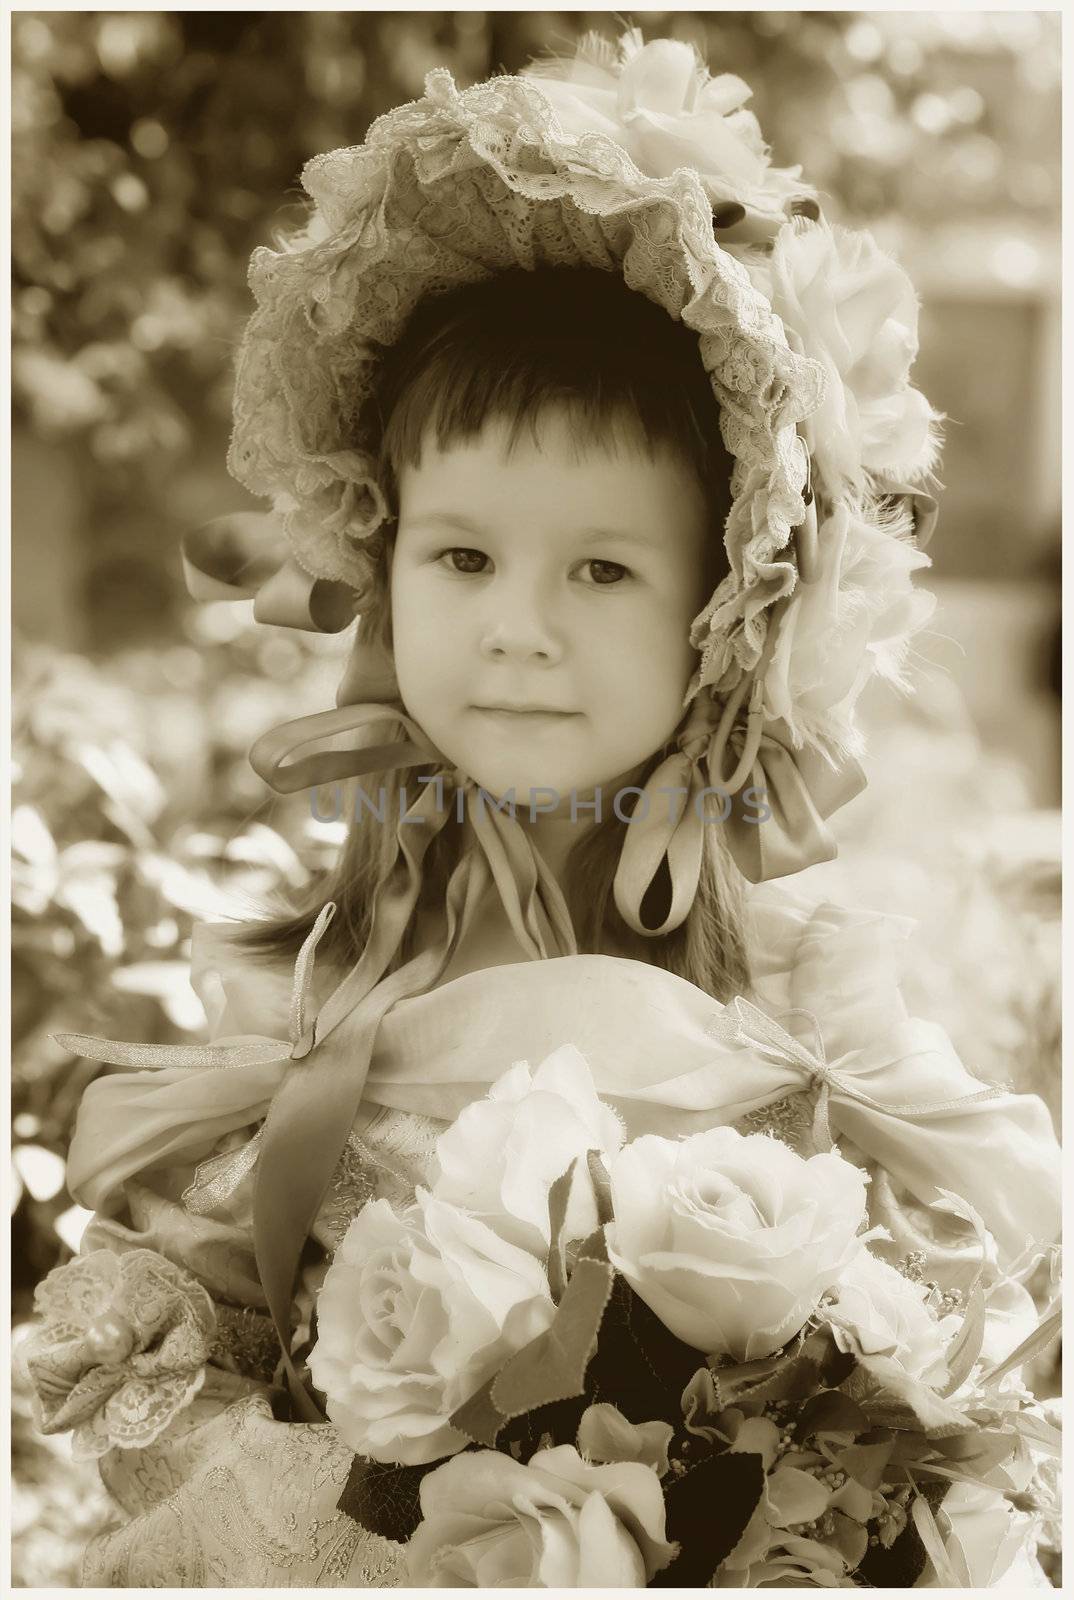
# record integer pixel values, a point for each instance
(865, 1463)
(639, 1366)
(559, 1196)
(1045, 1435)
(830, 1412)
(980, 1450)
(1046, 1330)
(849, 1538)
(595, 1247)
(708, 1510)
(384, 1499)
(966, 1345)
(890, 1398)
(932, 1539)
(479, 1418)
(551, 1367)
(795, 1496)
(602, 1188)
(793, 1378)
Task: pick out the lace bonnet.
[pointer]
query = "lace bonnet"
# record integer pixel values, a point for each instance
(631, 158)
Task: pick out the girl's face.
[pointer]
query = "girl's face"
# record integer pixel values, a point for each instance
(541, 605)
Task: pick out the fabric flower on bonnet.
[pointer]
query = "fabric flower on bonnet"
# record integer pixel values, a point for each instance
(660, 104)
(856, 618)
(122, 1349)
(848, 305)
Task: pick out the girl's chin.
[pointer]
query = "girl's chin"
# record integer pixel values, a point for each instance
(528, 792)
(549, 797)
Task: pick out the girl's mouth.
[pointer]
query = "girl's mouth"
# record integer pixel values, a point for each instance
(510, 714)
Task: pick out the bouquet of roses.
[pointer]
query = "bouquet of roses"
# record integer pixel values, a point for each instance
(674, 1362)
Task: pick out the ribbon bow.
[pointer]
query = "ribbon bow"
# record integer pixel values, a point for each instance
(793, 791)
(743, 1023)
(245, 556)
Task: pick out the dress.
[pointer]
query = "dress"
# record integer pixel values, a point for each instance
(229, 1496)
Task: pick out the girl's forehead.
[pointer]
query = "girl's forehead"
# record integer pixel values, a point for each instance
(552, 458)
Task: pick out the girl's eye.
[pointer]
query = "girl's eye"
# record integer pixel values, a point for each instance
(606, 573)
(470, 562)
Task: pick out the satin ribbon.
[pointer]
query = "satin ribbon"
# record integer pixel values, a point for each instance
(314, 1106)
(744, 1023)
(799, 789)
(245, 556)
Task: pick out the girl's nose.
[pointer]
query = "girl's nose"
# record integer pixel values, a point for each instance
(519, 630)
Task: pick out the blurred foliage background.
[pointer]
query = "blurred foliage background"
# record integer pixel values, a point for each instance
(151, 152)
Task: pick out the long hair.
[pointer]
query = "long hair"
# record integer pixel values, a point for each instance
(513, 348)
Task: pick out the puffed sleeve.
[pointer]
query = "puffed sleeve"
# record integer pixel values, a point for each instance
(154, 1347)
(909, 1105)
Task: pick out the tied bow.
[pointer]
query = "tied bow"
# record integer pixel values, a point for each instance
(776, 828)
(252, 1051)
(799, 791)
(245, 1053)
(743, 1023)
(245, 556)
(791, 793)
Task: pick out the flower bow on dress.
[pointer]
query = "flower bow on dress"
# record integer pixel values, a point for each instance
(120, 1350)
(743, 1023)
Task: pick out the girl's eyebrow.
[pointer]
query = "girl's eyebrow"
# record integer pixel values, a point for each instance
(464, 524)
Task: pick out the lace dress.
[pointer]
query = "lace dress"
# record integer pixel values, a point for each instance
(230, 1496)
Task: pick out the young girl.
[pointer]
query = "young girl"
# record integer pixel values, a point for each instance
(626, 543)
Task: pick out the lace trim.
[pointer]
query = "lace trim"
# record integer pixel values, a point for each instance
(387, 1161)
(789, 1119)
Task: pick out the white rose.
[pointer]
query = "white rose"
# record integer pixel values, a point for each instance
(416, 1312)
(879, 1312)
(793, 1563)
(732, 1239)
(503, 1153)
(851, 307)
(491, 1522)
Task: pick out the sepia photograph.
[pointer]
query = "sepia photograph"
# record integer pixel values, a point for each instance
(535, 799)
